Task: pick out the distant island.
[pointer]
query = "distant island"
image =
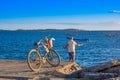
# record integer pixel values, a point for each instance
(70, 29)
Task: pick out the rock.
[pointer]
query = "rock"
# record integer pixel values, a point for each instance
(104, 66)
(70, 68)
(113, 70)
(115, 78)
(102, 71)
(98, 76)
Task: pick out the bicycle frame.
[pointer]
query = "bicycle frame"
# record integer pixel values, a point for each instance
(44, 46)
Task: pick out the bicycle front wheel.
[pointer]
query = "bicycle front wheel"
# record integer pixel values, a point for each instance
(53, 58)
(34, 60)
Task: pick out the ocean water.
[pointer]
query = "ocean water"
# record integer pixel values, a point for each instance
(15, 45)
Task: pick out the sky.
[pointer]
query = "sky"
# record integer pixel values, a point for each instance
(60, 14)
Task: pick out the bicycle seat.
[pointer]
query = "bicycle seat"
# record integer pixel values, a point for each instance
(35, 44)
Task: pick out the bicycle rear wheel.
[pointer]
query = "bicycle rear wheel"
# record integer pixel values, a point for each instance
(53, 58)
(34, 60)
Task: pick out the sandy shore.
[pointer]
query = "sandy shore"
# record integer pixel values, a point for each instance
(18, 70)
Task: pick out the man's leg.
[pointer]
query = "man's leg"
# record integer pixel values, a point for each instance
(70, 56)
(73, 56)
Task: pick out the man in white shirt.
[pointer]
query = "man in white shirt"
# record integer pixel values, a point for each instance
(71, 49)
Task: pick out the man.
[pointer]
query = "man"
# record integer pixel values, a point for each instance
(71, 49)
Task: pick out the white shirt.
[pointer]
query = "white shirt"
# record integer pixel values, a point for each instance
(71, 46)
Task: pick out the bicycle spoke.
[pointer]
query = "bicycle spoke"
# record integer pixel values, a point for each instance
(53, 58)
(34, 61)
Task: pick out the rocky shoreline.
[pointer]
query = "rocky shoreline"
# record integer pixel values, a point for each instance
(18, 70)
(105, 71)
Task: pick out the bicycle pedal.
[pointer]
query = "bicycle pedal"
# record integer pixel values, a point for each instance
(44, 60)
(34, 60)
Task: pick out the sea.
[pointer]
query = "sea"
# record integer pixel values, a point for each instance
(98, 46)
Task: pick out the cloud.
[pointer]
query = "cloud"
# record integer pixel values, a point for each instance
(67, 23)
(101, 23)
(114, 11)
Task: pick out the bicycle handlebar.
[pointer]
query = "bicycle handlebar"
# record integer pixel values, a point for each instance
(38, 43)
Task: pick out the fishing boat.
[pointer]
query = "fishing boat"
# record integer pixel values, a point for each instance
(78, 39)
(110, 35)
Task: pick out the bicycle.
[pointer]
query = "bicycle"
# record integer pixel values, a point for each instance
(35, 60)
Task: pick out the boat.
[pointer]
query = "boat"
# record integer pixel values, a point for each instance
(71, 34)
(110, 35)
(77, 39)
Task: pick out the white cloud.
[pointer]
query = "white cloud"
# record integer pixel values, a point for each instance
(114, 11)
(100, 22)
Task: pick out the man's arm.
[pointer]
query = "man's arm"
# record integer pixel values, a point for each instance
(79, 44)
(76, 44)
(65, 46)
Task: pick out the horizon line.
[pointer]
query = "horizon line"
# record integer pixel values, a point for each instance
(74, 29)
